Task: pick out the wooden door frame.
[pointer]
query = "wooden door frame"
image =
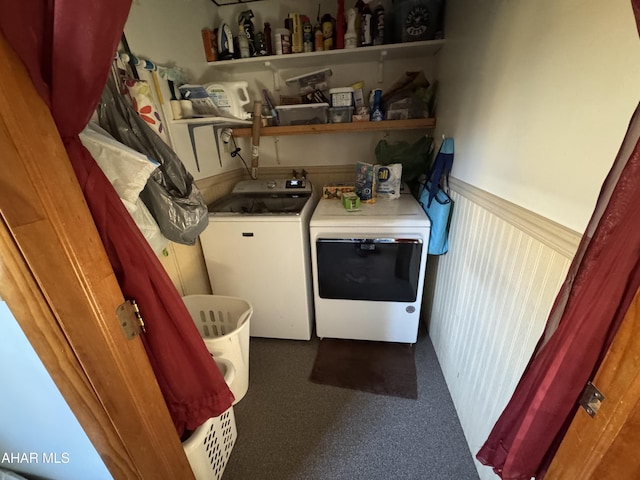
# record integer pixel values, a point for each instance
(605, 446)
(57, 281)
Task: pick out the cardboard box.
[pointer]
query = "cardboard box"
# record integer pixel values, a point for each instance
(365, 182)
(335, 190)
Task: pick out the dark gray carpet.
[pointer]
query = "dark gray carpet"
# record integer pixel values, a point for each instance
(290, 428)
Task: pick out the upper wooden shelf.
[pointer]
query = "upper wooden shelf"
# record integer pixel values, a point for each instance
(375, 53)
(383, 126)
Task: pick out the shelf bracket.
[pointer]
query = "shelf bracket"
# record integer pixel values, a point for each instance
(276, 75)
(383, 56)
(192, 126)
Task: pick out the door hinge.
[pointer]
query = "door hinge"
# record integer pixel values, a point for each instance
(130, 319)
(591, 399)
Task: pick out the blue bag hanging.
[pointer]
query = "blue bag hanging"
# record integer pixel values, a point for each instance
(435, 200)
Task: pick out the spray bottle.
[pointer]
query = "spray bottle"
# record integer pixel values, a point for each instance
(376, 114)
(307, 34)
(351, 37)
(244, 19)
(243, 42)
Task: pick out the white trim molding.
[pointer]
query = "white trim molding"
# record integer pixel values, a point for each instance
(558, 237)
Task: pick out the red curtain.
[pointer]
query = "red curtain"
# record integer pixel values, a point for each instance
(602, 281)
(67, 47)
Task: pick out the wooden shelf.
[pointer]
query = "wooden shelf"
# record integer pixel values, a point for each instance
(384, 126)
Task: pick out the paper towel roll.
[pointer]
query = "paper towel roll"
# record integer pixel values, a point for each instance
(187, 108)
(176, 109)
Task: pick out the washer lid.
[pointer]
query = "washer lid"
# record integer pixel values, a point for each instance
(400, 212)
(259, 204)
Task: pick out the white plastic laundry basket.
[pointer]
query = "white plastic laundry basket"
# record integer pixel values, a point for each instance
(223, 323)
(209, 447)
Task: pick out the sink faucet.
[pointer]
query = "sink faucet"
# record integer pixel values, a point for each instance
(294, 174)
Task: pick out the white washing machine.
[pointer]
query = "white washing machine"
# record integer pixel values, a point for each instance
(257, 247)
(368, 269)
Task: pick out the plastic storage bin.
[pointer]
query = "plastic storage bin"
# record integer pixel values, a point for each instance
(340, 114)
(209, 447)
(303, 114)
(223, 323)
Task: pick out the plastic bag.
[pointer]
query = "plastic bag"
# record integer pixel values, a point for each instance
(128, 171)
(170, 193)
(415, 158)
(140, 93)
(9, 475)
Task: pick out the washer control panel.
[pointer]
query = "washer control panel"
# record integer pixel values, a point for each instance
(295, 184)
(273, 186)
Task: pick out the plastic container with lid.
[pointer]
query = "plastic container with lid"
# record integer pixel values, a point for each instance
(341, 97)
(303, 114)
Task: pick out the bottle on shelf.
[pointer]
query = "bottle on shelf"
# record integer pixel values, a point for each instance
(243, 43)
(327, 31)
(378, 23)
(340, 25)
(367, 26)
(376, 106)
(351, 37)
(296, 33)
(244, 19)
(268, 45)
(359, 6)
(318, 44)
(307, 34)
(260, 47)
(282, 41)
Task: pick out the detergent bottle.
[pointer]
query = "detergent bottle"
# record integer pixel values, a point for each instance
(230, 97)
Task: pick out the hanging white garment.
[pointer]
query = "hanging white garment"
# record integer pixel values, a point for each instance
(128, 172)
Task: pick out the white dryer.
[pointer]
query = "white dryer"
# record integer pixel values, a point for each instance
(368, 269)
(256, 247)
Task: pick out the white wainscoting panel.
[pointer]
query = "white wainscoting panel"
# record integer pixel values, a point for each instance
(493, 292)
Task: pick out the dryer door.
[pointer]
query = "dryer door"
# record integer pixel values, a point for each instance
(376, 269)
